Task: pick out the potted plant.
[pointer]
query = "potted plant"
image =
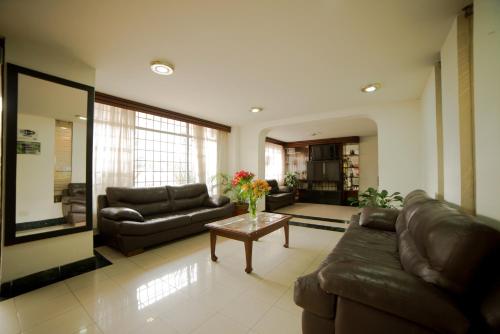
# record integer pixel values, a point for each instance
(372, 198)
(292, 181)
(225, 183)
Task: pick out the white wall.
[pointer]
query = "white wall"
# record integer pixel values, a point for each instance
(31, 257)
(487, 108)
(429, 137)
(451, 139)
(35, 173)
(368, 162)
(399, 142)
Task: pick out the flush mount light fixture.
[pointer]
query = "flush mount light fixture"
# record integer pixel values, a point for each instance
(161, 67)
(83, 118)
(371, 88)
(255, 110)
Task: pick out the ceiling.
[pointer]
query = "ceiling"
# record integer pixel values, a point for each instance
(289, 57)
(334, 128)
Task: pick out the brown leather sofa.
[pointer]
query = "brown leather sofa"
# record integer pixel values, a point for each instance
(133, 218)
(278, 196)
(425, 269)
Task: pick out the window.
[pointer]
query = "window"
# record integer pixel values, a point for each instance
(161, 151)
(275, 162)
(172, 152)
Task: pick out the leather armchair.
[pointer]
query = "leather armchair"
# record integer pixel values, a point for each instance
(279, 196)
(74, 203)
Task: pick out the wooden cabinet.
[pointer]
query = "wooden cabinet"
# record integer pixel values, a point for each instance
(325, 152)
(318, 171)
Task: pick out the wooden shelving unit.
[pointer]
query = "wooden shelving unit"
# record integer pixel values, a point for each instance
(327, 170)
(350, 171)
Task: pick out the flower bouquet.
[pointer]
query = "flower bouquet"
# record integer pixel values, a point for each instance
(252, 191)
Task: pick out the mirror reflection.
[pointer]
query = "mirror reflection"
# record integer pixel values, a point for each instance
(51, 156)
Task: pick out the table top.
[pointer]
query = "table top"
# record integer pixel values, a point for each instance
(245, 225)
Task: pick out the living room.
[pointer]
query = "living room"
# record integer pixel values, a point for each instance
(135, 199)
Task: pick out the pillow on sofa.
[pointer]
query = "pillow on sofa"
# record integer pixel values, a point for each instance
(122, 214)
(379, 218)
(216, 201)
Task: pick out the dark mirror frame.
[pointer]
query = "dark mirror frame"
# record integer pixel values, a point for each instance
(10, 154)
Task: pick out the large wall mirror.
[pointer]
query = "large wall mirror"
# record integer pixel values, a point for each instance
(48, 156)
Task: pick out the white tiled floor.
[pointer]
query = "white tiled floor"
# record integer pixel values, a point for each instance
(176, 288)
(320, 210)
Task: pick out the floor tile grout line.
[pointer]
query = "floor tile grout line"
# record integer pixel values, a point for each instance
(83, 307)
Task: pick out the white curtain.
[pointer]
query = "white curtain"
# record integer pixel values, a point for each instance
(222, 158)
(275, 162)
(205, 155)
(114, 136)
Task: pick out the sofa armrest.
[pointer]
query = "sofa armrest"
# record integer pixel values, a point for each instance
(284, 189)
(394, 291)
(216, 201)
(120, 214)
(379, 218)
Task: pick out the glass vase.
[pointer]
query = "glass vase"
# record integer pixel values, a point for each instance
(252, 209)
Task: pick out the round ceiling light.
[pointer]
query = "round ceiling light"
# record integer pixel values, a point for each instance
(255, 110)
(161, 68)
(371, 88)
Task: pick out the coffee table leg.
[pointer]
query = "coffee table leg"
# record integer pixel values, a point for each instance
(213, 240)
(286, 227)
(248, 254)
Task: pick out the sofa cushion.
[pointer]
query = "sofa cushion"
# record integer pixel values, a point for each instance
(366, 245)
(153, 224)
(395, 292)
(147, 201)
(204, 214)
(116, 213)
(437, 243)
(188, 196)
(274, 186)
(216, 201)
(379, 218)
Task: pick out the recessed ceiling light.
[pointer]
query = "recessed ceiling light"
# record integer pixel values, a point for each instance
(83, 118)
(371, 87)
(161, 68)
(255, 109)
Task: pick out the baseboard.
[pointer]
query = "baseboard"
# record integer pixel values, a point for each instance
(319, 227)
(53, 275)
(40, 223)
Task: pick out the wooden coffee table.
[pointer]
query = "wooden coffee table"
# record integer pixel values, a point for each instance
(242, 228)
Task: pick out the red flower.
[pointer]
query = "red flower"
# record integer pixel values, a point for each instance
(242, 176)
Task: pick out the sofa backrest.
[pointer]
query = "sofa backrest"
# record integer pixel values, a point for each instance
(442, 245)
(188, 196)
(274, 186)
(148, 200)
(77, 189)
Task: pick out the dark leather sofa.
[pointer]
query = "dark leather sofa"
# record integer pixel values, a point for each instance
(278, 196)
(425, 269)
(133, 218)
(74, 203)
